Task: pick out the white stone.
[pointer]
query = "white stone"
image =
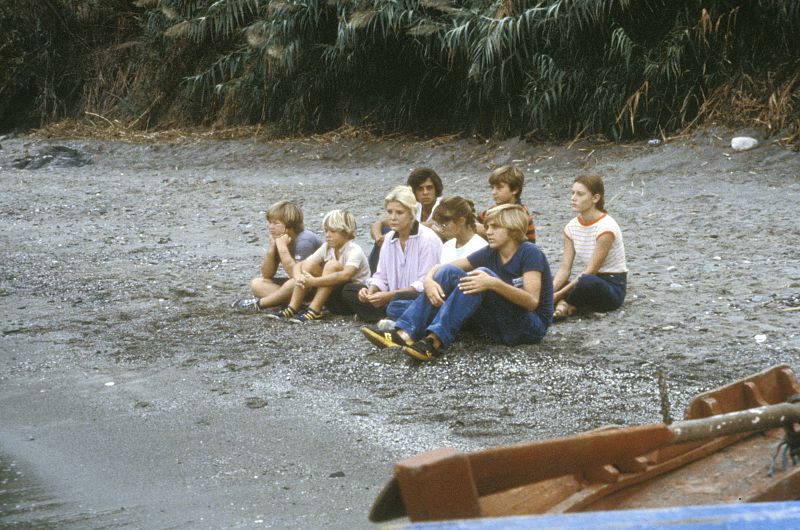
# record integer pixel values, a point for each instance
(743, 143)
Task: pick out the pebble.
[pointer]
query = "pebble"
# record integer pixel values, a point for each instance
(760, 338)
(255, 402)
(743, 143)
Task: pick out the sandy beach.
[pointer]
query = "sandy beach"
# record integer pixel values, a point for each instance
(132, 396)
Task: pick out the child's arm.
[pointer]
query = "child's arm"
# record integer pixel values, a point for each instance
(377, 231)
(287, 260)
(329, 280)
(527, 298)
(431, 287)
(269, 265)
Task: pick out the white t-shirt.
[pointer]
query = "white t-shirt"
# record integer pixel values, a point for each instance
(584, 239)
(351, 254)
(450, 252)
(418, 211)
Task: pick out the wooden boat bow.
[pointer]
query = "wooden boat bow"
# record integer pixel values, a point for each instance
(446, 483)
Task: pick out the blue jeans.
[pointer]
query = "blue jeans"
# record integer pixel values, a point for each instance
(601, 292)
(400, 303)
(502, 320)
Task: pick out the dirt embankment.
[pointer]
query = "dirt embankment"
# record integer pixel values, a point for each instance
(122, 271)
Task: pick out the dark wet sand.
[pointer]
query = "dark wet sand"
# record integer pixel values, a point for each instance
(122, 271)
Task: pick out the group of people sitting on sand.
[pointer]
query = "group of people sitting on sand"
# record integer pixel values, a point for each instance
(436, 266)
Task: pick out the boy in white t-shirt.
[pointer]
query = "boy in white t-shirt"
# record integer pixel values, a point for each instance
(337, 262)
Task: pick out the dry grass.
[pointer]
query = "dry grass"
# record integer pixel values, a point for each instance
(98, 127)
(760, 103)
(743, 112)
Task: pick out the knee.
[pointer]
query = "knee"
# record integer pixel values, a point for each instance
(258, 282)
(446, 273)
(490, 272)
(332, 266)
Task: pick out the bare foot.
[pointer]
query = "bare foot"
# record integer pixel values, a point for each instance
(564, 310)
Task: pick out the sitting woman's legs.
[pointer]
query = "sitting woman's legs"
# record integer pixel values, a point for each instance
(364, 311)
(603, 292)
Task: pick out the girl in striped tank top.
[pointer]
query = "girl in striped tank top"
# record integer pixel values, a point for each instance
(596, 239)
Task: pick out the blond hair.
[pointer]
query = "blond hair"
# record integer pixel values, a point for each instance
(340, 221)
(512, 217)
(404, 195)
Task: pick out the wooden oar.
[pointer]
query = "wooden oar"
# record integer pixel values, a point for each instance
(502, 468)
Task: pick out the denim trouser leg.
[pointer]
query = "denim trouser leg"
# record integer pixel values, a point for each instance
(502, 320)
(400, 303)
(508, 323)
(458, 308)
(597, 293)
(421, 312)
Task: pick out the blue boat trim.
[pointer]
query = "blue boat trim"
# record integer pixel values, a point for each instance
(772, 515)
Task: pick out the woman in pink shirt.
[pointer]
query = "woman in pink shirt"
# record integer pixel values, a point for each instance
(409, 251)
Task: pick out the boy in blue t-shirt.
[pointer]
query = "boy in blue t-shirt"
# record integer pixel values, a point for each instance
(289, 244)
(506, 288)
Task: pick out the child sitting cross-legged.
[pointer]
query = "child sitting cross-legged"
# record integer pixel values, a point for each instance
(289, 244)
(505, 288)
(337, 262)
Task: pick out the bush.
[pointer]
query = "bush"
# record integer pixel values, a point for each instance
(555, 68)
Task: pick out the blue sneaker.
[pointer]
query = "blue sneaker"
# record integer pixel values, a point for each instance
(247, 305)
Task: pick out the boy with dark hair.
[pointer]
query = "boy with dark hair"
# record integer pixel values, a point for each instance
(506, 183)
(289, 244)
(427, 187)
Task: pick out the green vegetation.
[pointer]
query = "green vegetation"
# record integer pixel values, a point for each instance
(542, 69)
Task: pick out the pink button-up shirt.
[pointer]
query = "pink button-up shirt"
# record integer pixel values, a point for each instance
(400, 270)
